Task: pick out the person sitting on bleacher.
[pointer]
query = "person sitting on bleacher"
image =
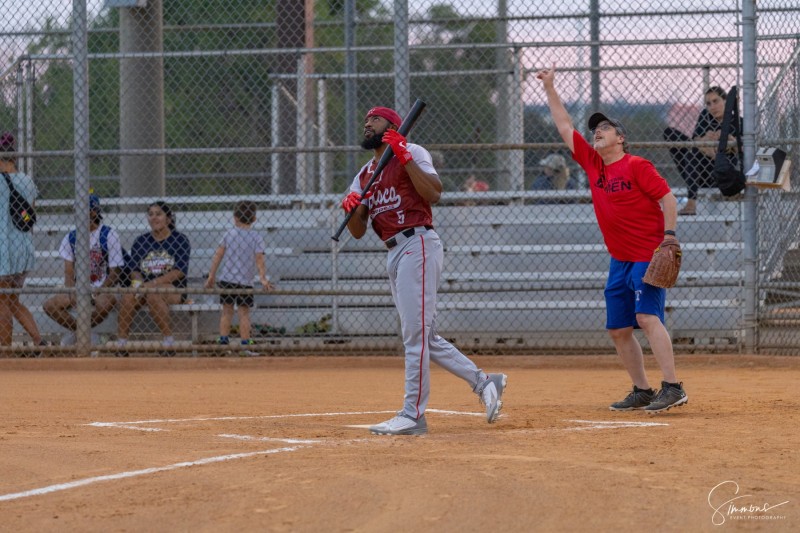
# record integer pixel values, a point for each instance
(159, 259)
(105, 263)
(696, 165)
(555, 175)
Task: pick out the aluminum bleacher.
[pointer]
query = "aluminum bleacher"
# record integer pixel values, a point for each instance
(512, 270)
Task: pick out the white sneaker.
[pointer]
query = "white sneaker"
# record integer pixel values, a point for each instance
(491, 395)
(401, 425)
(68, 339)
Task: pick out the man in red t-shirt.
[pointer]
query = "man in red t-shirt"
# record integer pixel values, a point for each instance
(635, 209)
(399, 206)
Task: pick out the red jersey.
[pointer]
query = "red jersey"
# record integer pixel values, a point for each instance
(395, 204)
(625, 195)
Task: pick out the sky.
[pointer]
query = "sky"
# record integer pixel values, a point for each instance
(681, 86)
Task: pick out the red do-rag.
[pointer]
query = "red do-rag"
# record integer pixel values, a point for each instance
(384, 112)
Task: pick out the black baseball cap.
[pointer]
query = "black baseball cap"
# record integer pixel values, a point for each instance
(597, 118)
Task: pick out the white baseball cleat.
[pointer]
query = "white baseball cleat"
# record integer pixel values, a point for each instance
(492, 395)
(401, 425)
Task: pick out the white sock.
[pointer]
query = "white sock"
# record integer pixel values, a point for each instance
(122, 342)
(169, 341)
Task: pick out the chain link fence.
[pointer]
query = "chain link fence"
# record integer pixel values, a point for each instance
(163, 117)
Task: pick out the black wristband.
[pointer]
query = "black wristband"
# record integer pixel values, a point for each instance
(669, 232)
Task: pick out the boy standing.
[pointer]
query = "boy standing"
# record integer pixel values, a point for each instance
(244, 248)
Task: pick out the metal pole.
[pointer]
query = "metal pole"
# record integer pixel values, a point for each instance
(141, 93)
(402, 64)
(350, 68)
(750, 213)
(301, 159)
(325, 185)
(29, 81)
(80, 87)
(517, 123)
(275, 138)
(594, 56)
(20, 133)
(505, 112)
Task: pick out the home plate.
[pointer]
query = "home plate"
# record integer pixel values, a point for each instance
(359, 426)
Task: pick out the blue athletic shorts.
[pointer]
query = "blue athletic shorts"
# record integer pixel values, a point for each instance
(626, 295)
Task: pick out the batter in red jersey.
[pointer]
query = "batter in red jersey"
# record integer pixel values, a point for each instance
(636, 211)
(398, 205)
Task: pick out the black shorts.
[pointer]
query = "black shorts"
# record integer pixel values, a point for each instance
(240, 300)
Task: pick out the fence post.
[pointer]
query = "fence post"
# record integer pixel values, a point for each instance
(21, 138)
(516, 122)
(29, 80)
(750, 212)
(275, 137)
(80, 86)
(325, 180)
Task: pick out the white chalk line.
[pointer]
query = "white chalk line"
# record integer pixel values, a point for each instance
(135, 473)
(611, 424)
(267, 439)
(592, 424)
(136, 424)
(123, 425)
(131, 424)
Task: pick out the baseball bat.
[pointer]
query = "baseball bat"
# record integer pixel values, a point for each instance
(405, 127)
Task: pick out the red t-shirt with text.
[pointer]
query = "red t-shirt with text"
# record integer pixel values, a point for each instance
(625, 195)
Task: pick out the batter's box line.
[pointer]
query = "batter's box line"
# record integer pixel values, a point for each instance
(138, 425)
(143, 472)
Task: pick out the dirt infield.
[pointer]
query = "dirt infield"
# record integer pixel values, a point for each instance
(268, 445)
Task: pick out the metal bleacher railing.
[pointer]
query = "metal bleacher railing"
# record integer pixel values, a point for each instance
(518, 271)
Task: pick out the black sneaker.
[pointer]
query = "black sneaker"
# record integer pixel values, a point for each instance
(669, 396)
(637, 399)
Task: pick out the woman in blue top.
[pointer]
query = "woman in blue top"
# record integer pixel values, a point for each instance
(16, 249)
(159, 258)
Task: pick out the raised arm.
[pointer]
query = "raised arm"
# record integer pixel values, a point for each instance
(557, 110)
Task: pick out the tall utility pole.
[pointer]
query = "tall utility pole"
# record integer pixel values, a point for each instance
(141, 93)
(294, 23)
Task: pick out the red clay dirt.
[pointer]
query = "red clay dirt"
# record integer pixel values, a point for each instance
(202, 444)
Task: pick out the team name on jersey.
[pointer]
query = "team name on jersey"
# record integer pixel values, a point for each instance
(384, 200)
(613, 185)
(157, 262)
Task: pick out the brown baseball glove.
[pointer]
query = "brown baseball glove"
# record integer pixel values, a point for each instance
(665, 264)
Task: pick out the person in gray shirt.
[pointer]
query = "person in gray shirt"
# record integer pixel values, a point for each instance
(243, 250)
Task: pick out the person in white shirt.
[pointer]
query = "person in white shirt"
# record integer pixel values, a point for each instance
(106, 262)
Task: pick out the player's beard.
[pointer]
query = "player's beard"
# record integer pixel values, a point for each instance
(374, 142)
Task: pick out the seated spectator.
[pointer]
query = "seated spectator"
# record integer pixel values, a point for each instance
(697, 164)
(16, 249)
(106, 261)
(159, 258)
(555, 175)
(472, 184)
